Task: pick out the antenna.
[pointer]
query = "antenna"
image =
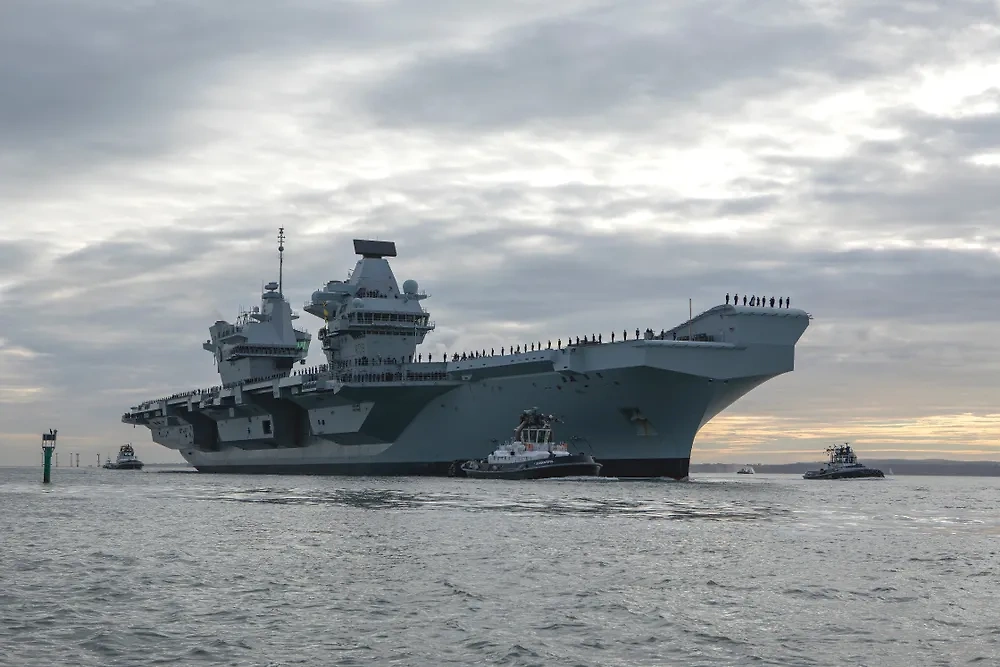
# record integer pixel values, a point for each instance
(281, 258)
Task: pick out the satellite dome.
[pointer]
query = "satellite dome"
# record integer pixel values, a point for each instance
(410, 287)
(358, 303)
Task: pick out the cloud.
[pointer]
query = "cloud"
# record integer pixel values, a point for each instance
(546, 170)
(602, 61)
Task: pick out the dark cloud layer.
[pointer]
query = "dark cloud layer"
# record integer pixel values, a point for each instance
(85, 84)
(585, 67)
(546, 171)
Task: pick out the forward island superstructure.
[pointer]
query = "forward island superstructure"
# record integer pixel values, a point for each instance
(380, 407)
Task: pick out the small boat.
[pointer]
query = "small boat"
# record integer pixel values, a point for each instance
(843, 464)
(126, 460)
(531, 454)
(745, 470)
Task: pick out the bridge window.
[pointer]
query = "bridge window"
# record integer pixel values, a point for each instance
(267, 426)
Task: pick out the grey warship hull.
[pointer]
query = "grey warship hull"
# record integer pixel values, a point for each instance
(376, 408)
(635, 406)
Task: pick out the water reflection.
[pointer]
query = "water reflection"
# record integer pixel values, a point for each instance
(519, 501)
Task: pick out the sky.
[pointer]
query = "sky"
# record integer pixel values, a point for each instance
(545, 169)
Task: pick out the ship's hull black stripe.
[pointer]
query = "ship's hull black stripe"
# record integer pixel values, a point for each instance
(621, 468)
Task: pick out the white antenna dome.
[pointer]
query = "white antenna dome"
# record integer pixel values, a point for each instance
(410, 287)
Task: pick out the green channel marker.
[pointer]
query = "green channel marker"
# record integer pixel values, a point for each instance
(48, 446)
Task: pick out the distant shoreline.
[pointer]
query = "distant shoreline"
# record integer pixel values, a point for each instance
(898, 467)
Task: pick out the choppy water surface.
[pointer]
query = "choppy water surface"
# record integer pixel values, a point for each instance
(152, 568)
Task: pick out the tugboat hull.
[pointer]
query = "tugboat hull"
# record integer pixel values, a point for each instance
(134, 465)
(843, 464)
(579, 466)
(869, 473)
(126, 460)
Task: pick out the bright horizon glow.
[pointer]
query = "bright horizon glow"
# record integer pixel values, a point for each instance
(733, 438)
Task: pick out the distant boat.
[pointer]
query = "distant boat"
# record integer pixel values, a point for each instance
(126, 460)
(745, 470)
(843, 464)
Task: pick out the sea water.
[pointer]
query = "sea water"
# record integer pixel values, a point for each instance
(107, 567)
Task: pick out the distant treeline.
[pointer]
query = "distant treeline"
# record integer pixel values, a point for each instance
(898, 467)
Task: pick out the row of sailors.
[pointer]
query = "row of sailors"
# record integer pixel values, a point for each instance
(595, 339)
(186, 394)
(760, 301)
(313, 370)
(392, 377)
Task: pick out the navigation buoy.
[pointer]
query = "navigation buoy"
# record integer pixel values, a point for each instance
(48, 446)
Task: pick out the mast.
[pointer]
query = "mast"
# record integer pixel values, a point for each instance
(281, 258)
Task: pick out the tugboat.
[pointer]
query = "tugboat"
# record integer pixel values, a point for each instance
(843, 464)
(531, 454)
(126, 460)
(745, 470)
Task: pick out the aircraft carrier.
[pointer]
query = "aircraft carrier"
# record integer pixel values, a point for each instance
(381, 407)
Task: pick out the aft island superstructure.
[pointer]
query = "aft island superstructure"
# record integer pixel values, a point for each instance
(379, 407)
